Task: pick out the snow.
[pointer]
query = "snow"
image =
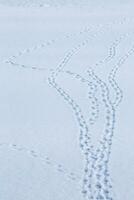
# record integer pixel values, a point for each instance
(66, 100)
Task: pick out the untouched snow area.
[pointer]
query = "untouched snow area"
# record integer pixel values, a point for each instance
(66, 100)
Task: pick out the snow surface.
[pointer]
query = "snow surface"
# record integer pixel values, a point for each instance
(66, 100)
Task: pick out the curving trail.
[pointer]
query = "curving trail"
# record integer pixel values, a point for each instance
(96, 74)
(96, 161)
(89, 30)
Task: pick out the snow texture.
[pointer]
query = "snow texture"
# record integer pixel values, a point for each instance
(66, 100)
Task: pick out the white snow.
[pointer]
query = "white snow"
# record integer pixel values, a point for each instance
(66, 74)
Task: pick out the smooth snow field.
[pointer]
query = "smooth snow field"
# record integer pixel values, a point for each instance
(66, 100)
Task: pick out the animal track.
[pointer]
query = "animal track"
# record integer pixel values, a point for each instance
(53, 41)
(43, 159)
(96, 182)
(103, 152)
(100, 165)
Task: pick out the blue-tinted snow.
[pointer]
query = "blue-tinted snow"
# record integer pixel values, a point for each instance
(66, 100)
